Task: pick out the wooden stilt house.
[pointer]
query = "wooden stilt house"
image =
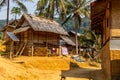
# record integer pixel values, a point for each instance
(37, 35)
(105, 22)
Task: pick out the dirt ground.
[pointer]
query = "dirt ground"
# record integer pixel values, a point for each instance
(48, 68)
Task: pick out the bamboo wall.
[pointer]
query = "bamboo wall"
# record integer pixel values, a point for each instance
(39, 41)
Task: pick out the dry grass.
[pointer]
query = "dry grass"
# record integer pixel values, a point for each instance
(43, 68)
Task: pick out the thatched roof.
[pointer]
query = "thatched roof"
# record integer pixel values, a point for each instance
(68, 40)
(10, 25)
(21, 29)
(41, 24)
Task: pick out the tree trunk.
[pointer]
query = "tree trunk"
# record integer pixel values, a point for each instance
(8, 8)
(76, 37)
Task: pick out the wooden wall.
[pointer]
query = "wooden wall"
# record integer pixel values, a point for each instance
(115, 14)
(38, 40)
(115, 24)
(115, 63)
(106, 43)
(100, 17)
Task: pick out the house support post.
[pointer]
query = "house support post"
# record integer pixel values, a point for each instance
(11, 49)
(32, 44)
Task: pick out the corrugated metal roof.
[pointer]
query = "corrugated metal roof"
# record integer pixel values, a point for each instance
(12, 36)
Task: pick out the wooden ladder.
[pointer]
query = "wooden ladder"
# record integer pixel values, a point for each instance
(21, 49)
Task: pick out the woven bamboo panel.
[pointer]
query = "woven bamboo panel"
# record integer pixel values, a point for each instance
(115, 62)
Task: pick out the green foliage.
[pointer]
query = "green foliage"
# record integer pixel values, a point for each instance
(16, 11)
(19, 3)
(90, 39)
(50, 8)
(1, 35)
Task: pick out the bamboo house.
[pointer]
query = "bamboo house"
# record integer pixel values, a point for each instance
(36, 36)
(105, 22)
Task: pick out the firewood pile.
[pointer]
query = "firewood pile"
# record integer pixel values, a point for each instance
(40, 51)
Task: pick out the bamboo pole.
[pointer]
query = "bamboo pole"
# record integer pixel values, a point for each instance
(32, 45)
(11, 49)
(32, 50)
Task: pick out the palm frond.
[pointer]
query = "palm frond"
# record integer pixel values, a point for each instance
(3, 3)
(63, 3)
(68, 18)
(51, 9)
(22, 6)
(41, 4)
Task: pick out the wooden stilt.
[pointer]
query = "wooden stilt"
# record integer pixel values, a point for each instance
(11, 49)
(32, 50)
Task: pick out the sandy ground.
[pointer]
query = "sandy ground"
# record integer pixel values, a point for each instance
(48, 68)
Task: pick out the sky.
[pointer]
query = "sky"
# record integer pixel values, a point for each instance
(31, 6)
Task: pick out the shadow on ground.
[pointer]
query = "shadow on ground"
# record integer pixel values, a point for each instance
(78, 72)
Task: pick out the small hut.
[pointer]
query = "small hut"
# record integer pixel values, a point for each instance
(9, 28)
(37, 36)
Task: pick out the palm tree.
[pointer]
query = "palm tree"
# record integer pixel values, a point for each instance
(16, 11)
(77, 11)
(64, 8)
(18, 2)
(51, 8)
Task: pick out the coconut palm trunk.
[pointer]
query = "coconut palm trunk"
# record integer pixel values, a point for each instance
(76, 31)
(8, 8)
(76, 40)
